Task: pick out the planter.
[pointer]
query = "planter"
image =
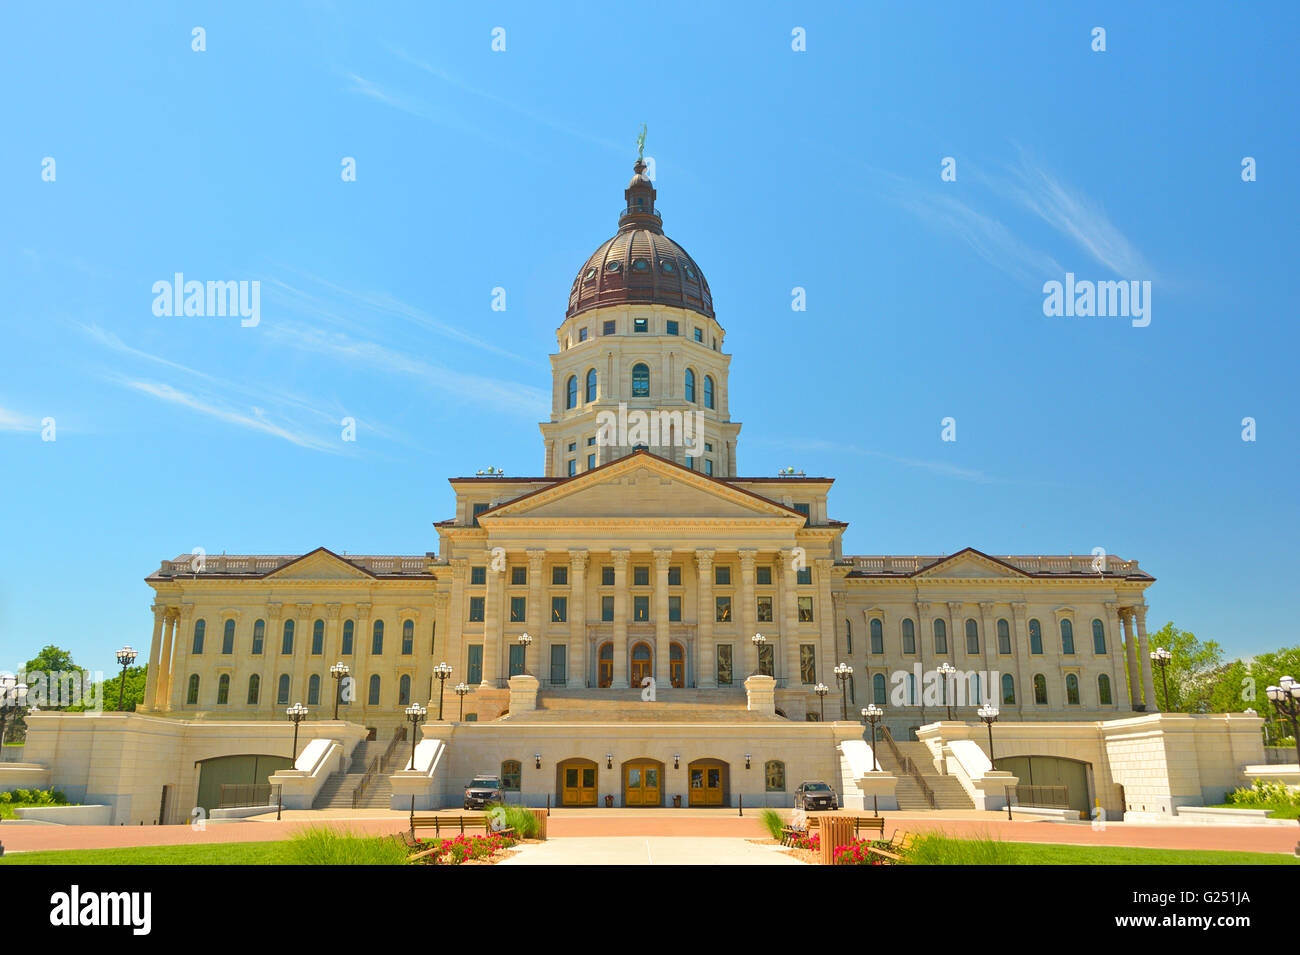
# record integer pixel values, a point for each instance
(609, 802)
(677, 802)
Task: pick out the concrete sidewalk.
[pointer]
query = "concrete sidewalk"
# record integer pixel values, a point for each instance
(654, 850)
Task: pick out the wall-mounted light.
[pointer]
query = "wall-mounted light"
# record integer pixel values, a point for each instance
(677, 760)
(747, 761)
(609, 760)
(537, 760)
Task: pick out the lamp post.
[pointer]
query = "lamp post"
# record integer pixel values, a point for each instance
(759, 641)
(296, 713)
(461, 689)
(443, 673)
(525, 641)
(13, 700)
(842, 673)
(872, 714)
(337, 672)
(821, 689)
(989, 714)
(1161, 657)
(416, 714)
(945, 671)
(1286, 700)
(125, 657)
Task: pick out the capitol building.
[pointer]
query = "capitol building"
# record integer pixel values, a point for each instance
(645, 623)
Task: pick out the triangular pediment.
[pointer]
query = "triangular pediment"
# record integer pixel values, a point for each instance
(970, 563)
(320, 564)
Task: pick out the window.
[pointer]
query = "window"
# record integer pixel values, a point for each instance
(573, 445)
(674, 609)
(909, 637)
(571, 393)
(972, 636)
(607, 328)
(1098, 637)
(559, 664)
(640, 325)
(640, 380)
(853, 692)
(911, 689)
(582, 335)
(672, 327)
(282, 689)
(591, 385)
(689, 393)
(286, 638)
(640, 576)
(708, 467)
(318, 638)
(848, 637)
(573, 466)
(377, 638)
(313, 690)
(477, 575)
(722, 576)
(1004, 636)
(1035, 637)
(223, 689)
(559, 609)
(408, 637)
(807, 663)
(764, 609)
(803, 576)
(349, 632)
(1103, 690)
(479, 509)
(699, 335)
(1067, 637)
(607, 609)
(200, 628)
(254, 689)
(641, 608)
(724, 659)
(1072, 689)
(805, 610)
(475, 609)
(259, 637)
(878, 689)
(764, 576)
(511, 775)
(1008, 689)
(708, 391)
(607, 576)
(1040, 690)
(559, 576)
(774, 776)
(518, 609)
(518, 576)
(404, 690)
(192, 692)
(723, 608)
(940, 636)
(373, 698)
(228, 638)
(591, 462)
(474, 663)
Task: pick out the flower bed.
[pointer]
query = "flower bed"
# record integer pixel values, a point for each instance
(463, 848)
(855, 853)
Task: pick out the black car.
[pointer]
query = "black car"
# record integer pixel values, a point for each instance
(481, 791)
(815, 795)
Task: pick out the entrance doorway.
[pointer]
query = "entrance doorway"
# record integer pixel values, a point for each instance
(641, 667)
(605, 665)
(708, 783)
(577, 782)
(677, 666)
(643, 783)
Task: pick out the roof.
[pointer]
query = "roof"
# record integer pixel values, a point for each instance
(1030, 565)
(254, 566)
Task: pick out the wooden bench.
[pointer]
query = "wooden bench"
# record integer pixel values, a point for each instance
(897, 848)
(860, 824)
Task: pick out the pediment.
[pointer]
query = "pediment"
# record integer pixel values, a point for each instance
(320, 564)
(970, 563)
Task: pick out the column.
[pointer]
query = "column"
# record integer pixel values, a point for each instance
(453, 647)
(1020, 646)
(360, 673)
(990, 681)
(1144, 659)
(662, 643)
(270, 651)
(924, 635)
(827, 613)
(956, 631)
(302, 634)
(577, 618)
(1131, 655)
(621, 612)
(539, 615)
(789, 621)
(330, 650)
(1115, 650)
(165, 660)
(492, 623)
(705, 660)
(748, 614)
(155, 649)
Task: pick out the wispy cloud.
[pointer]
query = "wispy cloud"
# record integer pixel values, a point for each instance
(13, 421)
(941, 468)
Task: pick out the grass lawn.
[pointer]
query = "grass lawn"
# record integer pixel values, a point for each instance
(1030, 853)
(1278, 810)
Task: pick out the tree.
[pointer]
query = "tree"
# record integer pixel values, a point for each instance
(132, 697)
(53, 679)
(52, 659)
(1192, 674)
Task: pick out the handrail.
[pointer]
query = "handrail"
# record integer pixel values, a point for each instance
(377, 766)
(910, 768)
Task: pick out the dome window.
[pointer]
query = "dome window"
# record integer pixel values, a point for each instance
(640, 265)
(614, 266)
(690, 273)
(667, 266)
(589, 274)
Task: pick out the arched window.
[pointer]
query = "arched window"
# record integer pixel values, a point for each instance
(228, 638)
(1035, 637)
(708, 391)
(911, 689)
(377, 638)
(254, 689)
(571, 393)
(1103, 690)
(690, 385)
(223, 689)
(774, 775)
(972, 636)
(1072, 689)
(192, 693)
(373, 699)
(1098, 637)
(1008, 689)
(853, 695)
(640, 380)
(1040, 690)
(909, 636)
(1004, 636)
(591, 385)
(408, 637)
(282, 690)
(940, 635)
(848, 636)
(318, 638)
(404, 690)
(349, 628)
(878, 689)
(286, 640)
(313, 690)
(877, 635)
(200, 628)
(511, 775)
(259, 637)
(1067, 637)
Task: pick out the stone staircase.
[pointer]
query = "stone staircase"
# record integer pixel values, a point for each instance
(336, 793)
(670, 705)
(948, 792)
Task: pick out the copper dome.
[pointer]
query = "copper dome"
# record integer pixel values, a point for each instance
(640, 263)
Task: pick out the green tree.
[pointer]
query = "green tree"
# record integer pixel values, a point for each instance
(52, 659)
(1192, 673)
(132, 696)
(1265, 670)
(52, 676)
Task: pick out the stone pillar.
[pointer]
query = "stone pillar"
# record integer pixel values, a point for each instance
(1020, 645)
(662, 644)
(924, 635)
(748, 612)
(155, 651)
(989, 636)
(302, 652)
(361, 672)
(621, 558)
(705, 661)
(539, 616)
(578, 618)
(270, 651)
(956, 630)
(826, 613)
(790, 622)
(493, 626)
(1115, 650)
(165, 660)
(1144, 659)
(1131, 655)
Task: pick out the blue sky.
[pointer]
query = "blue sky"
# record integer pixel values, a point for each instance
(775, 169)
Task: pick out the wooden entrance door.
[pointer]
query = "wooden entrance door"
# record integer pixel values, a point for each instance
(577, 784)
(641, 784)
(707, 783)
(677, 666)
(641, 667)
(605, 665)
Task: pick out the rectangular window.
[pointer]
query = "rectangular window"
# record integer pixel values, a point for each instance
(573, 446)
(674, 576)
(475, 609)
(641, 608)
(591, 441)
(475, 668)
(479, 509)
(675, 609)
(608, 328)
(518, 609)
(803, 577)
(640, 325)
(518, 576)
(591, 462)
(477, 576)
(607, 609)
(722, 576)
(559, 609)
(805, 510)
(516, 659)
(708, 467)
(607, 576)
(764, 576)
(640, 576)
(582, 334)
(559, 576)
(573, 466)
(805, 610)
(672, 327)
(699, 335)
(559, 664)
(807, 663)
(723, 605)
(764, 609)
(724, 664)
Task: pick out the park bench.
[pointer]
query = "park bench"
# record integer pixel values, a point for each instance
(860, 824)
(893, 851)
(451, 824)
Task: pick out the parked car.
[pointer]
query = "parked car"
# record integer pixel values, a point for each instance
(815, 795)
(481, 791)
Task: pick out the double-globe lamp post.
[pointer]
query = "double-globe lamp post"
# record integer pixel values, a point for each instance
(989, 714)
(821, 689)
(1285, 698)
(759, 641)
(416, 714)
(842, 673)
(945, 671)
(443, 673)
(461, 689)
(872, 714)
(1161, 657)
(338, 673)
(525, 641)
(125, 657)
(296, 713)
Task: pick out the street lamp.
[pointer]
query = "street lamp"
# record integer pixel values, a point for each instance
(821, 689)
(1286, 700)
(989, 714)
(872, 714)
(443, 673)
(759, 641)
(296, 713)
(337, 672)
(842, 673)
(416, 714)
(125, 657)
(945, 671)
(525, 641)
(13, 700)
(461, 689)
(1161, 657)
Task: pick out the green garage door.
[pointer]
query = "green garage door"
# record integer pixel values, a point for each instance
(1036, 771)
(234, 770)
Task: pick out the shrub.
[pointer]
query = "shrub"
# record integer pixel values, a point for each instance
(938, 849)
(326, 845)
(1264, 794)
(21, 798)
(772, 822)
(518, 818)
